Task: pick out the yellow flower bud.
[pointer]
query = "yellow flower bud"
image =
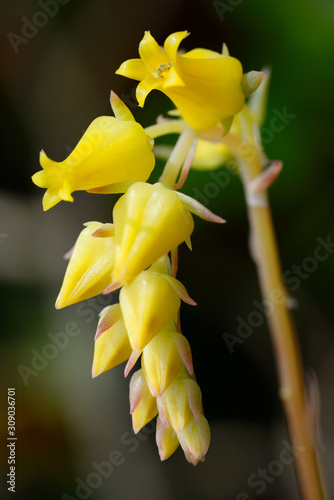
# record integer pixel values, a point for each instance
(166, 440)
(181, 400)
(150, 220)
(111, 150)
(112, 347)
(195, 439)
(148, 303)
(89, 270)
(143, 406)
(207, 87)
(163, 359)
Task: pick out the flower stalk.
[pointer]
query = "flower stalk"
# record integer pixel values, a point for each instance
(178, 157)
(284, 338)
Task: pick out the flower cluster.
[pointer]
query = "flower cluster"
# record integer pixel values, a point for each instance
(137, 253)
(149, 221)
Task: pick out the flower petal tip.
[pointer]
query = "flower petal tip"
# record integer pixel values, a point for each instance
(111, 288)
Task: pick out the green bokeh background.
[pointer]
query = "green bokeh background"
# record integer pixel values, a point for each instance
(51, 89)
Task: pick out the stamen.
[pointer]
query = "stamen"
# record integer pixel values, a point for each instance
(162, 68)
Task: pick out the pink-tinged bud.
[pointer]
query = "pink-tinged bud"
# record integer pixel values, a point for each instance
(143, 406)
(179, 402)
(166, 440)
(89, 270)
(112, 347)
(195, 440)
(163, 359)
(148, 303)
(150, 220)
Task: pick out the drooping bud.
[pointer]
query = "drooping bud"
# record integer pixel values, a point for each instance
(195, 439)
(150, 220)
(148, 303)
(143, 406)
(89, 270)
(112, 347)
(181, 400)
(163, 359)
(166, 440)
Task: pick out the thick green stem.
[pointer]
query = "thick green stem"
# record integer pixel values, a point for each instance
(284, 338)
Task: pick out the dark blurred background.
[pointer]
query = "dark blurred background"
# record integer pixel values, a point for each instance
(56, 74)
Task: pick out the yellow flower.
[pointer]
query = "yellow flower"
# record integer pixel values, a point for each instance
(148, 303)
(163, 359)
(210, 155)
(89, 270)
(113, 149)
(143, 406)
(181, 400)
(207, 87)
(150, 220)
(166, 439)
(195, 439)
(112, 347)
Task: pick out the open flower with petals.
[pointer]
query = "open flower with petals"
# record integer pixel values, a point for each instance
(89, 270)
(207, 87)
(113, 149)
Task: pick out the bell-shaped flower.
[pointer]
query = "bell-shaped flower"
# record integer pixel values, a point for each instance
(195, 439)
(166, 440)
(143, 406)
(112, 347)
(148, 303)
(163, 359)
(207, 87)
(89, 270)
(150, 220)
(112, 150)
(181, 400)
